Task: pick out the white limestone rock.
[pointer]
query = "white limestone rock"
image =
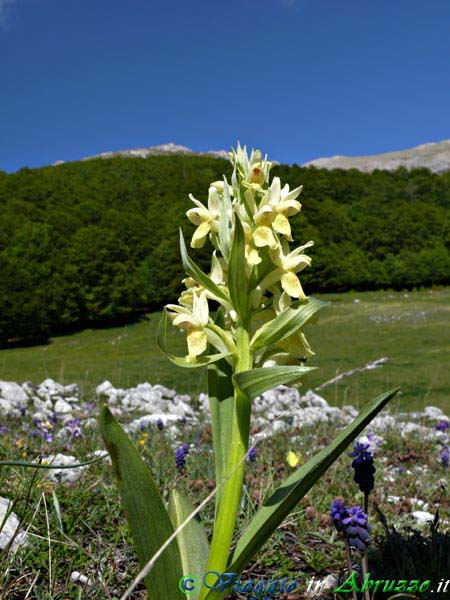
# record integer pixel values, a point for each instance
(422, 517)
(104, 389)
(10, 527)
(62, 475)
(62, 407)
(432, 412)
(12, 398)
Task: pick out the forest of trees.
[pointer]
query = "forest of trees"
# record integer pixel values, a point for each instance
(96, 242)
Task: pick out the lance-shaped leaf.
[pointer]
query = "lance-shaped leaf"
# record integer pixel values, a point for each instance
(258, 381)
(237, 278)
(287, 496)
(181, 361)
(221, 400)
(286, 323)
(192, 540)
(221, 403)
(196, 273)
(147, 517)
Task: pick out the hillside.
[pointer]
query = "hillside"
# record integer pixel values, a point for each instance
(433, 156)
(96, 241)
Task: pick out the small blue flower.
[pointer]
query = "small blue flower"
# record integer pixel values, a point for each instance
(185, 447)
(73, 429)
(445, 457)
(160, 424)
(180, 458)
(338, 513)
(356, 528)
(23, 411)
(442, 426)
(251, 455)
(363, 466)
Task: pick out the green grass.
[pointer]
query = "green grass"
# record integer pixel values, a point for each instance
(86, 530)
(410, 329)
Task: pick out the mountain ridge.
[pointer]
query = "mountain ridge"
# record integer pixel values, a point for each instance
(431, 155)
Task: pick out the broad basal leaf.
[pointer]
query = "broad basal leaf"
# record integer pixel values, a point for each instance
(192, 540)
(147, 517)
(287, 496)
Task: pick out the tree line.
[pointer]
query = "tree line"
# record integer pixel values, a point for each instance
(96, 242)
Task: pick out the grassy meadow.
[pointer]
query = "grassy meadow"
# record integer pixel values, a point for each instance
(80, 527)
(411, 329)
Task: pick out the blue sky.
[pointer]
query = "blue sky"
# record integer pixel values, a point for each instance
(297, 78)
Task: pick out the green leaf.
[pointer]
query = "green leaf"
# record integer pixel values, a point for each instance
(287, 496)
(237, 278)
(221, 404)
(147, 517)
(221, 401)
(257, 381)
(286, 323)
(181, 361)
(192, 540)
(196, 273)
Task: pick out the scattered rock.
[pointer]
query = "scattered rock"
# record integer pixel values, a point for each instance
(10, 527)
(422, 517)
(62, 475)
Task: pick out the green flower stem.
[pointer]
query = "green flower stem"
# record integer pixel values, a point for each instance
(235, 467)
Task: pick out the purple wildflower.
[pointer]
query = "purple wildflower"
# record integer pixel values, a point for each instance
(251, 455)
(160, 424)
(73, 429)
(185, 447)
(3, 428)
(34, 434)
(23, 411)
(442, 426)
(48, 437)
(364, 467)
(54, 419)
(445, 457)
(356, 528)
(338, 513)
(89, 406)
(180, 458)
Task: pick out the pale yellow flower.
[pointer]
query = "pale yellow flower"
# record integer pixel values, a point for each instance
(273, 212)
(206, 218)
(194, 321)
(251, 254)
(288, 266)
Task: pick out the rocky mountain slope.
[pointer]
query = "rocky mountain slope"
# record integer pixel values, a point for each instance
(170, 148)
(434, 156)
